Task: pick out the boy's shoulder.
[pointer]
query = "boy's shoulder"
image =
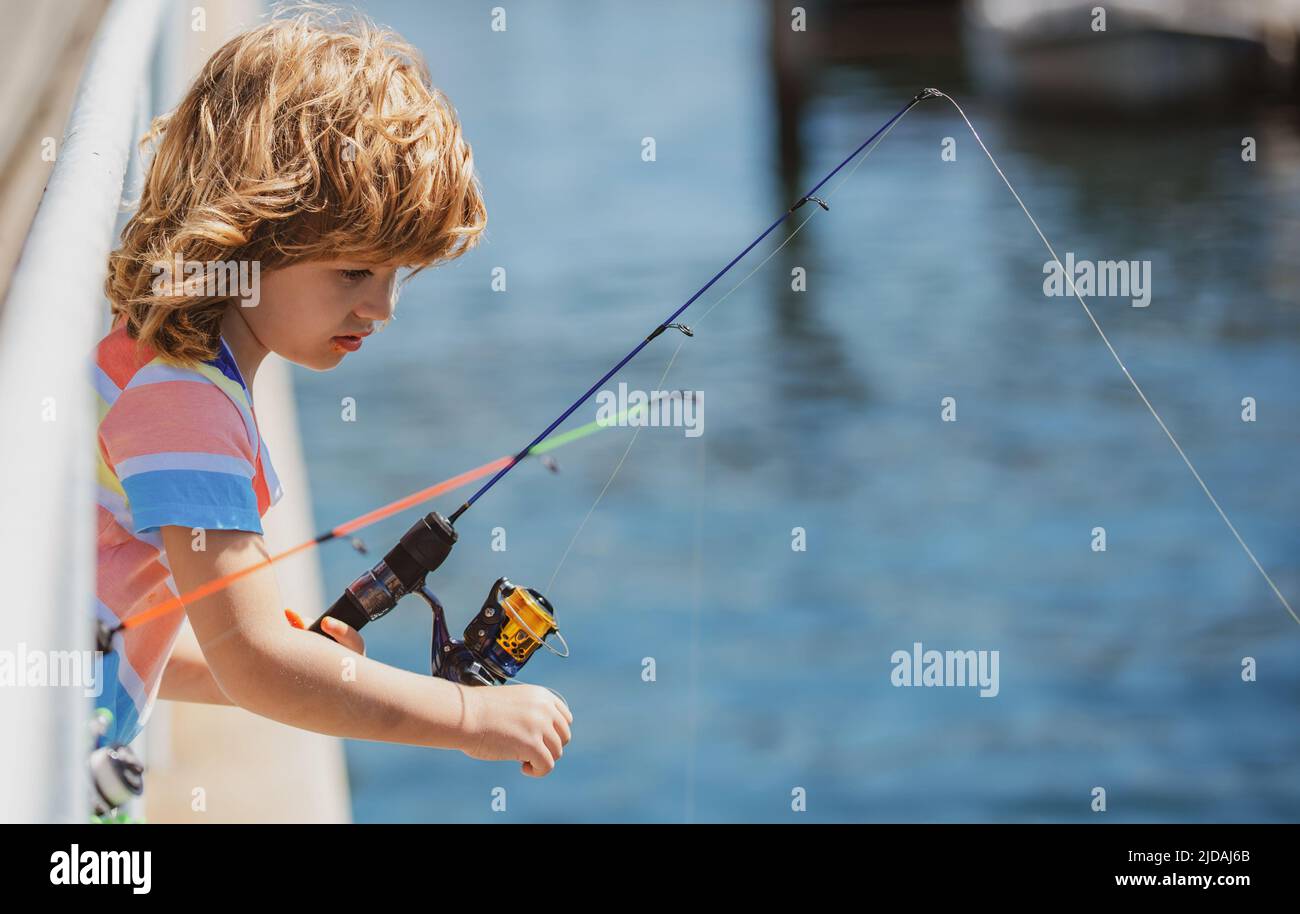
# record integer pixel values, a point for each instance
(122, 363)
(119, 358)
(180, 441)
(147, 400)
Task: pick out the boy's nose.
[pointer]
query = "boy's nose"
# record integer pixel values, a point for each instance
(376, 309)
(380, 305)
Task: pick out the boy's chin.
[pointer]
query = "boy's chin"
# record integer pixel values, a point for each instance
(323, 361)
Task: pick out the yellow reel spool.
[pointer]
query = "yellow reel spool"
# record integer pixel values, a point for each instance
(527, 627)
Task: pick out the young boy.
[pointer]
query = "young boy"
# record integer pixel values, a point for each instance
(314, 154)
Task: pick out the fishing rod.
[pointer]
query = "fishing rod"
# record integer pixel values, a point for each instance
(669, 323)
(513, 622)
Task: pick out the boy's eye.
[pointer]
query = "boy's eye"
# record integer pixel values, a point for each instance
(354, 275)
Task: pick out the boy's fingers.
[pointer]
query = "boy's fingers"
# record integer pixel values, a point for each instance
(554, 745)
(540, 761)
(543, 761)
(344, 634)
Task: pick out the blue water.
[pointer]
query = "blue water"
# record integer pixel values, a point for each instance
(1118, 669)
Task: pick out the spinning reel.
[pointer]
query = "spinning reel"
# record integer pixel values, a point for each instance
(511, 625)
(509, 628)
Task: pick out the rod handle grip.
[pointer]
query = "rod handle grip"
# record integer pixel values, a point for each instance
(346, 610)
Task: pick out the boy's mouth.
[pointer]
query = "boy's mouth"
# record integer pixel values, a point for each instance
(350, 342)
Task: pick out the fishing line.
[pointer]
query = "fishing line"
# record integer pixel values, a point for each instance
(870, 146)
(1120, 362)
(609, 481)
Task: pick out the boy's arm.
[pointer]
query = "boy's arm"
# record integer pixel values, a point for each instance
(187, 677)
(298, 677)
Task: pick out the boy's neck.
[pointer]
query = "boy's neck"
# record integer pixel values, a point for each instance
(244, 344)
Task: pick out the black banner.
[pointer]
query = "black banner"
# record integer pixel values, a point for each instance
(976, 861)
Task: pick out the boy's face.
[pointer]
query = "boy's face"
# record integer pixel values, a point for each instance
(315, 313)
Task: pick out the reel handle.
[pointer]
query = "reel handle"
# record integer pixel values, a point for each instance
(421, 550)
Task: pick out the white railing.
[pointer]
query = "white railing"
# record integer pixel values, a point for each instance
(51, 321)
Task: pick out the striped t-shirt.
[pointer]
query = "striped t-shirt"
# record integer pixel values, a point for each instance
(177, 446)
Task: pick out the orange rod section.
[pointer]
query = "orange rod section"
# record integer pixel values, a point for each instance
(173, 604)
(415, 498)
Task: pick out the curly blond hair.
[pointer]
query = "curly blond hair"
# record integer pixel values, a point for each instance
(313, 136)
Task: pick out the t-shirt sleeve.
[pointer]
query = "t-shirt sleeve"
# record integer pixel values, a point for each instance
(183, 454)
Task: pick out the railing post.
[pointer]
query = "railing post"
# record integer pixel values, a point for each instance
(50, 324)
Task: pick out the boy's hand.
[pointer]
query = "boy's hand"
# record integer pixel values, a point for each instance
(344, 634)
(341, 632)
(522, 723)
